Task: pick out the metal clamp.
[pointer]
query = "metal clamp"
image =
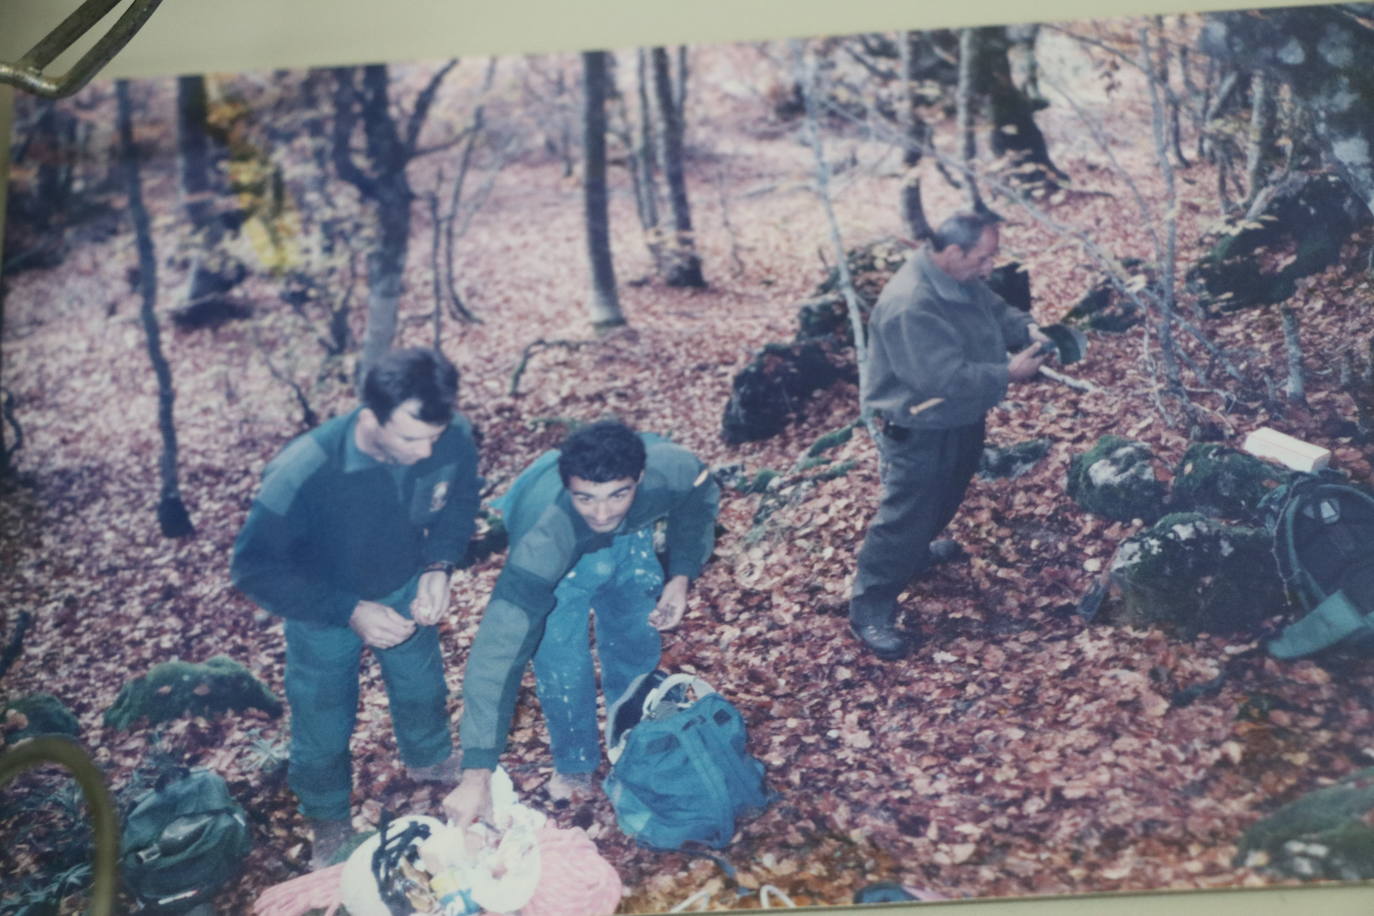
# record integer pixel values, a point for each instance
(27, 72)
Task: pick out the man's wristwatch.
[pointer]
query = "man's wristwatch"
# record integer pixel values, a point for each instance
(443, 566)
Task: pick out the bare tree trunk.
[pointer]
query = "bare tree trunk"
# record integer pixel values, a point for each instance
(9, 420)
(680, 82)
(1260, 141)
(1297, 386)
(172, 516)
(381, 181)
(604, 307)
(684, 266)
(1013, 133)
(806, 81)
(1168, 257)
(1171, 101)
(645, 168)
(965, 98)
(916, 134)
(197, 184)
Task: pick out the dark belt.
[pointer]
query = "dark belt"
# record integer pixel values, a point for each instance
(896, 433)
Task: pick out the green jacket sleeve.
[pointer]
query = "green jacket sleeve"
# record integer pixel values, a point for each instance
(268, 560)
(692, 526)
(511, 627)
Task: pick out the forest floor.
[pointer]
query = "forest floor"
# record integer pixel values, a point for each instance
(1019, 751)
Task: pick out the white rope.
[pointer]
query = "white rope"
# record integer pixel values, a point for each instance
(701, 897)
(770, 890)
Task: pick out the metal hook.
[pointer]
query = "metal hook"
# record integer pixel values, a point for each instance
(27, 72)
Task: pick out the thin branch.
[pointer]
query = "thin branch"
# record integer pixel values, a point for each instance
(423, 101)
(805, 66)
(533, 348)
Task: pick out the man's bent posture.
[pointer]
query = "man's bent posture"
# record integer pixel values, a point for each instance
(581, 525)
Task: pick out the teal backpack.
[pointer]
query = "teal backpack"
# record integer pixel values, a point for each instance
(680, 771)
(183, 841)
(1324, 544)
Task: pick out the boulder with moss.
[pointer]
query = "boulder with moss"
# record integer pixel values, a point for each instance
(1189, 573)
(175, 688)
(1222, 481)
(1327, 834)
(1300, 232)
(37, 714)
(1106, 307)
(1118, 479)
(769, 392)
(826, 314)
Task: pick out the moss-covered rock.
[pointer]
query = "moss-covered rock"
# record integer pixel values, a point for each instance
(1300, 232)
(1190, 573)
(870, 267)
(1217, 480)
(766, 394)
(1105, 308)
(761, 482)
(1324, 835)
(176, 688)
(831, 440)
(37, 714)
(1014, 460)
(841, 469)
(1117, 478)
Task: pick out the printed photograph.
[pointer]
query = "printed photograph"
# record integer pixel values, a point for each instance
(908, 466)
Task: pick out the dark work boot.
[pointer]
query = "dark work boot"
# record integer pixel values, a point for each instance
(946, 550)
(446, 771)
(327, 837)
(882, 640)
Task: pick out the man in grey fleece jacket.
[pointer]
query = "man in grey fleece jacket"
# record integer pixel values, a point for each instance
(938, 343)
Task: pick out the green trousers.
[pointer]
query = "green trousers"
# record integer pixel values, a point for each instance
(924, 473)
(322, 665)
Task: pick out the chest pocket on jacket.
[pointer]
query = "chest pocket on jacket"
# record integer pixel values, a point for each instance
(429, 496)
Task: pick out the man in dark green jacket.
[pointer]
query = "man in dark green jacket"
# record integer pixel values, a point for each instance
(581, 525)
(938, 343)
(352, 538)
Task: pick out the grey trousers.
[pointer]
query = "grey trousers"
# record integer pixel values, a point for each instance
(924, 475)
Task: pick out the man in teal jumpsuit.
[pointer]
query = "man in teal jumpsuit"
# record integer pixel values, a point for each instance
(352, 538)
(581, 523)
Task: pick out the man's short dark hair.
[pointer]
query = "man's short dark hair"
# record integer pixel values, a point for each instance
(964, 229)
(601, 452)
(399, 375)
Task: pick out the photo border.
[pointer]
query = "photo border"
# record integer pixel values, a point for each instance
(200, 35)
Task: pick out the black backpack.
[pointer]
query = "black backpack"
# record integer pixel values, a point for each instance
(1324, 544)
(183, 841)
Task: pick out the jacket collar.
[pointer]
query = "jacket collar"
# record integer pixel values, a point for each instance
(948, 288)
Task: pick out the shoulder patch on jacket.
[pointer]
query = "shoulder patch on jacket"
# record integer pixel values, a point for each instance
(287, 473)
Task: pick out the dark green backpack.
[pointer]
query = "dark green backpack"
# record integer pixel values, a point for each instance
(183, 841)
(1324, 543)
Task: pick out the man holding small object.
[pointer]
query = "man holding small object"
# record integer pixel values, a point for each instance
(938, 344)
(352, 538)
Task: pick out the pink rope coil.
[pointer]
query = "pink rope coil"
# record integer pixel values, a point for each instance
(574, 880)
(317, 890)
